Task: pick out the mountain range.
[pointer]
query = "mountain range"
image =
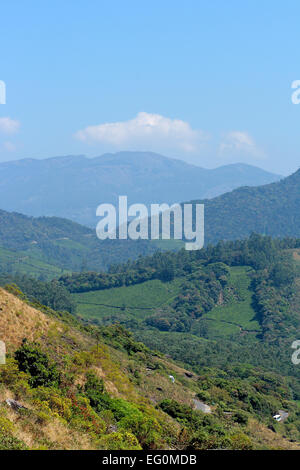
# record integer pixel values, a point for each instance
(57, 243)
(73, 186)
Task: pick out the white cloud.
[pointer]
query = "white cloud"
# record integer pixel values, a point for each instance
(240, 143)
(155, 132)
(145, 131)
(8, 125)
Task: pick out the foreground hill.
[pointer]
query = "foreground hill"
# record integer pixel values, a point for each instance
(72, 187)
(66, 386)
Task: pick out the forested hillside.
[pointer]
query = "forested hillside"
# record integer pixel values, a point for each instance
(271, 209)
(44, 247)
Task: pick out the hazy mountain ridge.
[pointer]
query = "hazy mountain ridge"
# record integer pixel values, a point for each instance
(73, 186)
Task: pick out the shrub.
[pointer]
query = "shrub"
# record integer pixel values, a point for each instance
(33, 361)
(95, 391)
(9, 372)
(203, 440)
(146, 429)
(241, 417)
(120, 441)
(240, 441)
(51, 398)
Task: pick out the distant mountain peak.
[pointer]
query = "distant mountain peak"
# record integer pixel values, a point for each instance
(72, 186)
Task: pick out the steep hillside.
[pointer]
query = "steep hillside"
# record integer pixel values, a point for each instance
(72, 187)
(66, 386)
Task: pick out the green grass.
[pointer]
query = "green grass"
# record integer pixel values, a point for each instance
(143, 298)
(238, 315)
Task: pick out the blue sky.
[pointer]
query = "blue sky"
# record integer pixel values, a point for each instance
(205, 81)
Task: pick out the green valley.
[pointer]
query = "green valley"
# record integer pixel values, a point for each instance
(240, 296)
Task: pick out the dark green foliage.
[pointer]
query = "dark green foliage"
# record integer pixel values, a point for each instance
(95, 392)
(36, 363)
(241, 417)
(283, 273)
(84, 282)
